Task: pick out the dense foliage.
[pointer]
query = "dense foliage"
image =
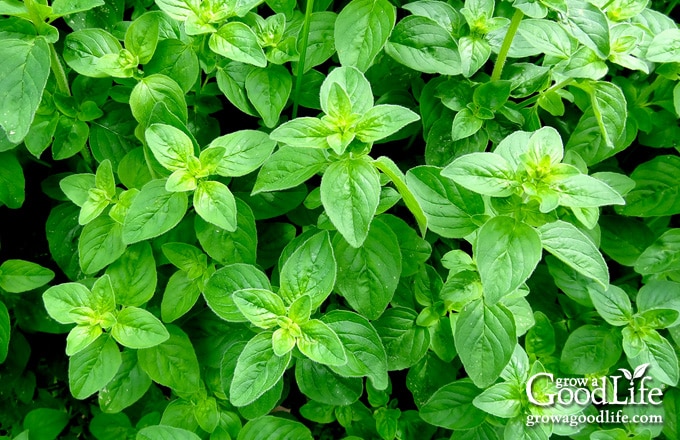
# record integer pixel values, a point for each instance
(366, 219)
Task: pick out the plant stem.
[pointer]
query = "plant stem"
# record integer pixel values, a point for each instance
(505, 47)
(534, 98)
(303, 55)
(59, 72)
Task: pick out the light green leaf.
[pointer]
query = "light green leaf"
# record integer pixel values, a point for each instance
(133, 275)
(142, 35)
(612, 304)
(261, 307)
(224, 282)
(23, 76)
(60, 300)
(128, 385)
(507, 252)
(590, 349)
(268, 90)
(156, 89)
(451, 406)
(350, 192)
(179, 9)
(660, 354)
(450, 209)
(245, 151)
(216, 204)
(354, 83)
(170, 146)
(100, 244)
(153, 212)
(257, 370)
(589, 25)
(236, 41)
(361, 30)
(501, 400)
(664, 48)
(80, 337)
(309, 270)
(270, 427)
(305, 132)
(288, 167)
(575, 249)
(84, 50)
(162, 432)
(180, 295)
(405, 342)
(21, 276)
(138, 328)
(382, 121)
(92, 368)
(609, 107)
(663, 255)
(68, 7)
(485, 338)
(657, 188)
(321, 344)
(484, 173)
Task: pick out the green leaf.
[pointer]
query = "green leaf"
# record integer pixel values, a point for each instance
(501, 400)
(261, 307)
(155, 89)
(92, 368)
(485, 338)
(245, 151)
(661, 296)
(180, 295)
(548, 37)
(153, 212)
(46, 423)
(609, 107)
(361, 30)
(170, 146)
(21, 276)
(176, 60)
(128, 385)
(405, 343)
(352, 81)
(216, 204)
(187, 258)
(660, 354)
(590, 349)
(68, 7)
(100, 244)
(257, 370)
(225, 281)
(84, 50)
(172, 363)
(5, 332)
(270, 427)
(575, 249)
(382, 121)
(179, 9)
(612, 304)
(133, 275)
(661, 255)
(80, 337)
(142, 35)
(162, 432)
(507, 252)
(305, 132)
(309, 270)
(465, 124)
(484, 173)
(350, 192)
(23, 76)
(288, 167)
(236, 41)
(368, 276)
(423, 45)
(589, 25)
(12, 181)
(268, 90)
(664, 47)
(227, 247)
(657, 188)
(138, 328)
(60, 300)
(317, 382)
(474, 52)
(365, 353)
(451, 406)
(321, 344)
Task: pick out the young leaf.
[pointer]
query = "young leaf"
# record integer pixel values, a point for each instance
(268, 90)
(157, 89)
(501, 400)
(405, 342)
(137, 328)
(590, 349)
(245, 151)
(574, 248)
(274, 427)
(133, 275)
(354, 83)
(225, 281)
(361, 30)
(257, 370)
(589, 25)
(170, 146)
(142, 35)
(236, 41)
(128, 385)
(350, 192)
(153, 212)
(451, 406)
(485, 338)
(61, 299)
(507, 252)
(163, 432)
(612, 304)
(100, 244)
(92, 368)
(260, 306)
(83, 50)
(216, 204)
(309, 270)
(180, 295)
(382, 121)
(321, 344)
(288, 167)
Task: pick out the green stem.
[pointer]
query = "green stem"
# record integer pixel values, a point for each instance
(303, 55)
(534, 98)
(59, 72)
(505, 47)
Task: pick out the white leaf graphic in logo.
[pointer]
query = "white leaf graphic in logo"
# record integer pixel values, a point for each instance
(640, 371)
(627, 374)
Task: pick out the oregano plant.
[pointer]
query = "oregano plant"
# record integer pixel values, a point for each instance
(366, 219)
